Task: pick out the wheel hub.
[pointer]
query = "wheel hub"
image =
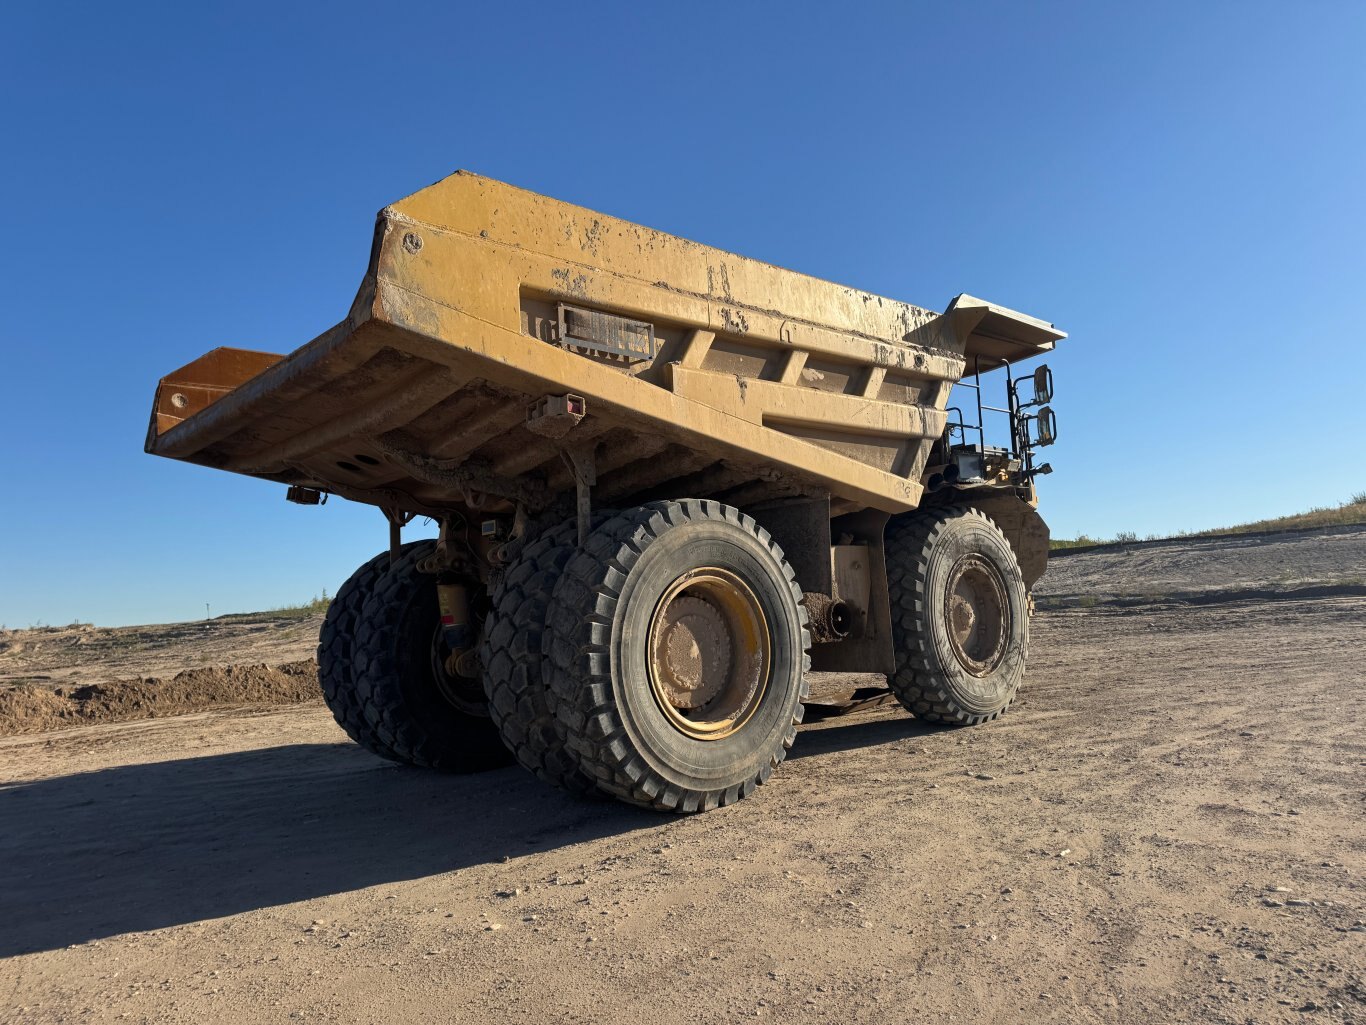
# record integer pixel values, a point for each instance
(692, 650)
(456, 674)
(709, 653)
(963, 617)
(978, 614)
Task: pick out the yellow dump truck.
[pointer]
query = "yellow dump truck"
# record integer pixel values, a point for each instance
(669, 480)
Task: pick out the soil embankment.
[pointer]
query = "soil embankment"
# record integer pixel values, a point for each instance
(35, 708)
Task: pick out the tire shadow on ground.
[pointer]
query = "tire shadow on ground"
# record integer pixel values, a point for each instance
(829, 733)
(138, 847)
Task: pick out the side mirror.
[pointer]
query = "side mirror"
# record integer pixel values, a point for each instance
(1047, 426)
(1043, 386)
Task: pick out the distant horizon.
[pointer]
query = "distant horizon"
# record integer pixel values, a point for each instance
(290, 609)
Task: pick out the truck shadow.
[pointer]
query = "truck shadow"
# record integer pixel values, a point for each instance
(139, 847)
(828, 734)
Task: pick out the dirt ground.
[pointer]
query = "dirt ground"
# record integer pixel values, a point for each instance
(1167, 827)
(1309, 564)
(30, 708)
(55, 677)
(82, 654)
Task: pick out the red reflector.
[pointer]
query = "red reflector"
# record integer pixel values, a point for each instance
(448, 621)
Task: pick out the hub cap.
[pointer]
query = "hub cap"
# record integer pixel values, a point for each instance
(709, 653)
(977, 612)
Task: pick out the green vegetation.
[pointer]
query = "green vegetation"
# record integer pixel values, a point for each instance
(301, 611)
(1080, 541)
(1351, 511)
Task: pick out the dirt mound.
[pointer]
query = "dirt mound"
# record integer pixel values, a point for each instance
(33, 708)
(1202, 570)
(81, 653)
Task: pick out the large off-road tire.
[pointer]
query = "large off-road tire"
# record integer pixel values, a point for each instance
(511, 655)
(676, 653)
(423, 716)
(335, 664)
(960, 619)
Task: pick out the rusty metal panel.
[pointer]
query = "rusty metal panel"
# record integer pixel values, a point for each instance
(199, 384)
(633, 341)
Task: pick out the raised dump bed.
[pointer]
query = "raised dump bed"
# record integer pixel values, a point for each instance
(518, 368)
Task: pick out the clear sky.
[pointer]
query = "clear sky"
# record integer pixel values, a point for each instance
(1181, 186)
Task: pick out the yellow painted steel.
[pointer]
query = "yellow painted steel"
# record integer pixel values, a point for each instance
(416, 401)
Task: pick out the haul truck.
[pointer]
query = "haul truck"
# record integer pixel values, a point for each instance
(669, 481)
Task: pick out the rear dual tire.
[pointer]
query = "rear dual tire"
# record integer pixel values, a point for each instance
(382, 671)
(675, 652)
(514, 682)
(336, 642)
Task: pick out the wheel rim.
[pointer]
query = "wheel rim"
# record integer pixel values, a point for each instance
(978, 613)
(710, 653)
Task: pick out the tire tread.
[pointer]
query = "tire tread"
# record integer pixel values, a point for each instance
(917, 683)
(379, 688)
(511, 656)
(577, 641)
(336, 641)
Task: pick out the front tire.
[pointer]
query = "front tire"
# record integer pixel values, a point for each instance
(677, 649)
(960, 616)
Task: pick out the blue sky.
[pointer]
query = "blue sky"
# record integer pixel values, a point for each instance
(1179, 186)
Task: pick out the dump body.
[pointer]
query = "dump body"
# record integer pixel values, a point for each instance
(529, 367)
(699, 372)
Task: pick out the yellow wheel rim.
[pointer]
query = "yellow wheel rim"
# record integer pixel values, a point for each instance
(978, 614)
(710, 653)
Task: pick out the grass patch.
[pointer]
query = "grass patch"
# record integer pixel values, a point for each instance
(1080, 541)
(1350, 512)
(316, 607)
